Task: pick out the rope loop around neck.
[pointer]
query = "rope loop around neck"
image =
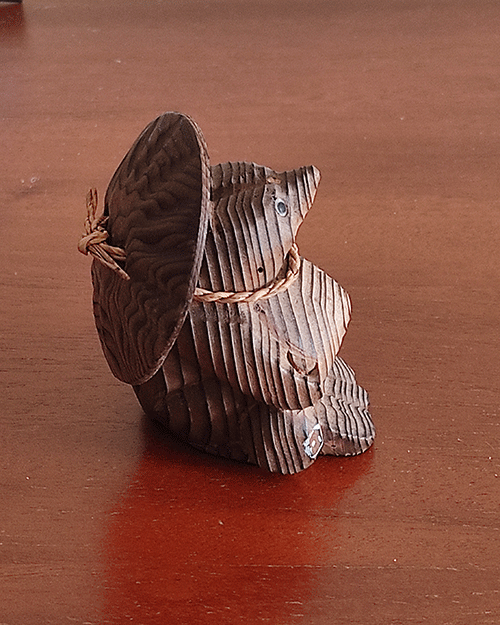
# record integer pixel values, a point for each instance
(248, 297)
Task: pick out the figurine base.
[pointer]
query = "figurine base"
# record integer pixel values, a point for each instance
(214, 418)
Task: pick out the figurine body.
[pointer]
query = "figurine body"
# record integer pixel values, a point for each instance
(256, 378)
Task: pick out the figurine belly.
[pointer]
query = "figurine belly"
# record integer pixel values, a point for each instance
(278, 351)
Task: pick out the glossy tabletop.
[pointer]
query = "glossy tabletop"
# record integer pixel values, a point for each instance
(106, 519)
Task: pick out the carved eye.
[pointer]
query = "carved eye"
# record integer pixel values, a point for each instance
(280, 207)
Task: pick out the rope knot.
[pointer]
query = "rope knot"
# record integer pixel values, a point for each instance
(94, 239)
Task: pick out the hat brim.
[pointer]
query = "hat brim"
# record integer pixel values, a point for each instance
(157, 205)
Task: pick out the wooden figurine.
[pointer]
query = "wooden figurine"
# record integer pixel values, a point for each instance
(203, 304)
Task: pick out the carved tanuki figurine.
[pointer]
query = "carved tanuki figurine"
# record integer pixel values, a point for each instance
(227, 336)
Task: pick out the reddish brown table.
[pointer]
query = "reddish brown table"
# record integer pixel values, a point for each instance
(106, 520)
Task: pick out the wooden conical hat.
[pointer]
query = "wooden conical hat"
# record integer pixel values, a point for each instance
(157, 205)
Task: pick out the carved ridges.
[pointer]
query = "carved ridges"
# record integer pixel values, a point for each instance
(229, 378)
(268, 349)
(231, 178)
(292, 340)
(278, 440)
(152, 197)
(234, 250)
(303, 182)
(238, 370)
(247, 241)
(344, 413)
(157, 203)
(214, 417)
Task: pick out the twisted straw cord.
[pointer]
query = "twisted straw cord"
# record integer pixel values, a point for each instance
(247, 297)
(94, 240)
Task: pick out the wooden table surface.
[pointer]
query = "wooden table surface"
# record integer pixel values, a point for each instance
(104, 519)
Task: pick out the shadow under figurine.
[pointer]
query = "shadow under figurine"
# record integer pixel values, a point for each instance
(203, 304)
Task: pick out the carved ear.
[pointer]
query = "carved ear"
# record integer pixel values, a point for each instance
(157, 205)
(289, 201)
(302, 185)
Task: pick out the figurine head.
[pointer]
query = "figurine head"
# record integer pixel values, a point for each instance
(257, 213)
